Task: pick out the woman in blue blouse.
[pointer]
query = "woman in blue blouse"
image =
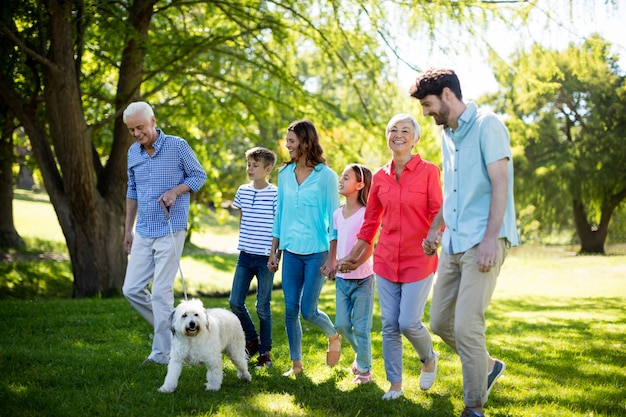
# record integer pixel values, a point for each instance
(307, 197)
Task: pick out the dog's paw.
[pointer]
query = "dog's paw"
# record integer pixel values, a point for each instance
(245, 376)
(213, 387)
(166, 389)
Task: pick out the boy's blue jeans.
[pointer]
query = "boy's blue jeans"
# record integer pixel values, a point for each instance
(249, 266)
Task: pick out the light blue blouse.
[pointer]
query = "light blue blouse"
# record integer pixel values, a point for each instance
(304, 213)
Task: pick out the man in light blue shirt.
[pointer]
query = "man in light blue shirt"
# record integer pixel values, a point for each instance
(479, 140)
(479, 216)
(161, 169)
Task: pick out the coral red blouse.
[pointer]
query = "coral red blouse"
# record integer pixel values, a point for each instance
(404, 211)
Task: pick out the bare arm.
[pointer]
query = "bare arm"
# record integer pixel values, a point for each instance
(131, 215)
(272, 263)
(433, 238)
(488, 248)
(328, 269)
(366, 252)
(356, 256)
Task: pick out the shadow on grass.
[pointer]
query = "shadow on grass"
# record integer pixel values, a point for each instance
(83, 357)
(44, 272)
(323, 398)
(567, 343)
(58, 365)
(221, 261)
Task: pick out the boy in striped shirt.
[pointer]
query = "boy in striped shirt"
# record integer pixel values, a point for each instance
(257, 202)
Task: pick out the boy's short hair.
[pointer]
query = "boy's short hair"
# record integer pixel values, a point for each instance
(261, 154)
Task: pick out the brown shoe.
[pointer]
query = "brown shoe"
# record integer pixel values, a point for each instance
(264, 361)
(252, 348)
(334, 350)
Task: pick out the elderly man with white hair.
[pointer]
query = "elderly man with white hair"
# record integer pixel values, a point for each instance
(162, 169)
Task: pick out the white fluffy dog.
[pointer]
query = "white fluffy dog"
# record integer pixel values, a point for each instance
(200, 336)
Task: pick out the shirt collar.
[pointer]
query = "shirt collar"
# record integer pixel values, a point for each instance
(157, 143)
(292, 164)
(413, 163)
(464, 119)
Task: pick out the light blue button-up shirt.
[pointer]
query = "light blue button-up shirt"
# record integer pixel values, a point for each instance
(480, 139)
(304, 214)
(172, 163)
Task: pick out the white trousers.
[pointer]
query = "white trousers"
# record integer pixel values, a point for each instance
(154, 261)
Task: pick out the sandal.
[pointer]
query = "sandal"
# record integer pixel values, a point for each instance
(334, 350)
(361, 379)
(354, 369)
(295, 370)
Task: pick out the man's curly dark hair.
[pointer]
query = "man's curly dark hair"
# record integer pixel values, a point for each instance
(433, 81)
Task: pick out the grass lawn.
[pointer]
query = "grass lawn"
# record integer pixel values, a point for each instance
(557, 320)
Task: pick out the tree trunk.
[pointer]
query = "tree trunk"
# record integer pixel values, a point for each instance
(91, 222)
(591, 238)
(9, 238)
(89, 199)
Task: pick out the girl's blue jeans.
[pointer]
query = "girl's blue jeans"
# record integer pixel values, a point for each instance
(353, 319)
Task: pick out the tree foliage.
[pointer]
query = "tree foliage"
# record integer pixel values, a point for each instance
(567, 117)
(226, 75)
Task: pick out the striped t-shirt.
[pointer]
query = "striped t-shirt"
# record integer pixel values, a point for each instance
(257, 218)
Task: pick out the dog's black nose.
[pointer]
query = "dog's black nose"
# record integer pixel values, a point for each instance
(192, 325)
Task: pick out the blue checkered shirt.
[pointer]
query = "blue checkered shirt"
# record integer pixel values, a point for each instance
(172, 163)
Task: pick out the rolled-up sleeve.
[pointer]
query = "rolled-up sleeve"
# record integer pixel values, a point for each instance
(195, 176)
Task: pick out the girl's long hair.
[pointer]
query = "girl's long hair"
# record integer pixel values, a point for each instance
(307, 135)
(364, 175)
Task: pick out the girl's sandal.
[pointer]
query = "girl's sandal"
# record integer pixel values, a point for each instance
(361, 379)
(354, 369)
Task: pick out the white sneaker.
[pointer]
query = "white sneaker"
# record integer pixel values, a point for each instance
(427, 379)
(392, 395)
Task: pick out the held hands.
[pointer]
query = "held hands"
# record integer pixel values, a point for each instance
(346, 265)
(272, 263)
(431, 243)
(328, 270)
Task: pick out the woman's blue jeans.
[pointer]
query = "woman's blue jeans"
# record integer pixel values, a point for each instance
(302, 285)
(249, 266)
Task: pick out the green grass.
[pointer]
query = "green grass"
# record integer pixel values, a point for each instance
(557, 320)
(43, 270)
